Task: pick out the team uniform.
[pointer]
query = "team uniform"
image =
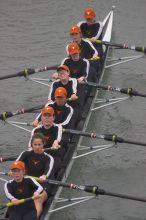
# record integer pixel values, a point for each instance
(63, 114)
(93, 30)
(38, 165)
(80, 68)
(19, 190)
(90, 28)
(77, 68)
(51, 134)
(71, 88)
(88, 51)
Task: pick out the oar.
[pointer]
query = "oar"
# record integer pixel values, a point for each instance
(29, 71)
(5, 115)
(93, 189)
(10, 158)
(4, 173)
(128, 91)
(107, 137)
(21, 201)
(122, 46)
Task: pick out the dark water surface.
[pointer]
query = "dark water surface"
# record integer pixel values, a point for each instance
(33, 34)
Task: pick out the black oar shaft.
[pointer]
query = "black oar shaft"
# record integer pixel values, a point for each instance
(128, 91)
(8, 158)
(116, 139)
(119, 195)
(109, 137)
(95, 190)
(122, 46)
(29, 71)
(5, 115)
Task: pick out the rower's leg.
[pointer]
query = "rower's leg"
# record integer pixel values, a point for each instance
(15, 216)
(30, 215)
(39, 204)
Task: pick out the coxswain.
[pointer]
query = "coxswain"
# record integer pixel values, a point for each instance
(38, 164)
(53, 136)
(90, 28)
(20, 188)
(63, 111)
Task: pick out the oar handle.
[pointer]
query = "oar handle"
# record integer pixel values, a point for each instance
(21, 201)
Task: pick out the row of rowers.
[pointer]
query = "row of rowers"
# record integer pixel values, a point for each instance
(48, 142)
(81, 66)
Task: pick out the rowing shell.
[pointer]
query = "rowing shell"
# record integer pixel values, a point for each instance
(72, 148)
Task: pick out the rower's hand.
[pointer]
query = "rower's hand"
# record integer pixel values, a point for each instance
(15, 201)
(35, 123)
(55, 75)
(36, 195)
(55, 145)
(74, 97)
(81, 79)
(95, 57)
(42, 178)
(93, 39)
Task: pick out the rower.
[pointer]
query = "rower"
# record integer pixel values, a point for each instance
(63, 111)
(88, 51)
(20, 188)
(53, 136)
(71, 86)
(90, 28)
(39, 164)
(79, 67)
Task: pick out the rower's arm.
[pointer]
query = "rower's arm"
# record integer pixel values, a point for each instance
(35, 185)
(59, 133)
(100, 30)
(68, 116)
(86, 69)
(51, 92)
(23, 156)
(92, 48)
(29, 143)
(49, 165)
(8, 191)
